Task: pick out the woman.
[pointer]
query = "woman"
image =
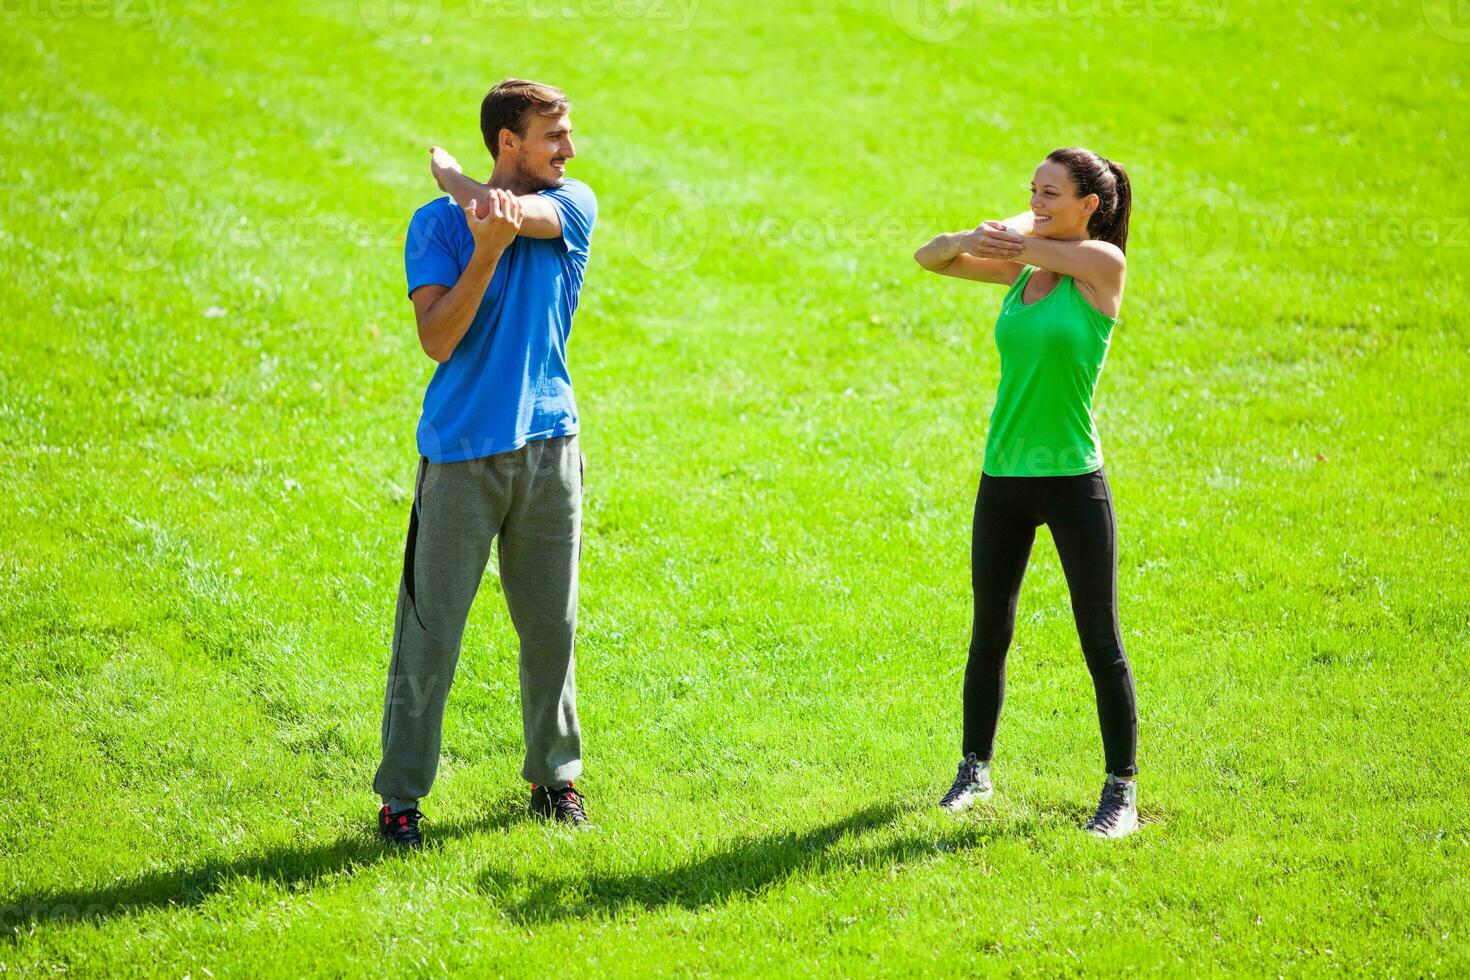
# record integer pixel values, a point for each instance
(1064, 266)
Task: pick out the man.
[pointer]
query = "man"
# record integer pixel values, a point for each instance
(494, 275)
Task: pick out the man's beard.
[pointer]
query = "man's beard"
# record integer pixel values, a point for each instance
(533, 181)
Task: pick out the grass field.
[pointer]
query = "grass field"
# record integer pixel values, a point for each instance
(208, 387)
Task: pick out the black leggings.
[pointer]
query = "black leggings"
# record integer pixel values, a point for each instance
(1079, 512)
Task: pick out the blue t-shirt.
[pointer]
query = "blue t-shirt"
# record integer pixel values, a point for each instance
(506, 384)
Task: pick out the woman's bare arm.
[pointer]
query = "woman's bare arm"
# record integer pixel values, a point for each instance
(950, 254)
(1099, 268)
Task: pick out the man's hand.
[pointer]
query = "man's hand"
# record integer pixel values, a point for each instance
(539, 217)
(494, 220)
(442, 164)
(445, 313)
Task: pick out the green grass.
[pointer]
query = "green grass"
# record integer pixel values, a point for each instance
(208, 387)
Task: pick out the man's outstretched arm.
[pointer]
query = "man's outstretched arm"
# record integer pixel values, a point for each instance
(540, 219)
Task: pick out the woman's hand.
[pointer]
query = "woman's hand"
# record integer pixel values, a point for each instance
(983, 254)
(993, 240)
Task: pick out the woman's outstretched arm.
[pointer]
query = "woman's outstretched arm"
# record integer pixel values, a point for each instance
(1098, 265)
(950, 255)
(953, 254)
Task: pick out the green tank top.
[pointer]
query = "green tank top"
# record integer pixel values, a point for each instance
(1051, 354)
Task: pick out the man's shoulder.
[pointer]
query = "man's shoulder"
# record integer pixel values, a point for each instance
(440, 212)
(573, 189)
(437, 228)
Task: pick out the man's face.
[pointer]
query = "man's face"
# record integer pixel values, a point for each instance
(541, 157)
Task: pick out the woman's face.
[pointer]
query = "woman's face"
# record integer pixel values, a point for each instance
(1056, 210)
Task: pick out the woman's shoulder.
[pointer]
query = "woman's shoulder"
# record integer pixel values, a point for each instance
(1019, 283)
(1087, 300)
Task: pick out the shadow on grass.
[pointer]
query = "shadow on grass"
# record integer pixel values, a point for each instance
(751, 866)
(189, 885)
(746, 868)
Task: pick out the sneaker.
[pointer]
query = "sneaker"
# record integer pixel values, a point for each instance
(401, 828)
(563, 804)
(1117, 813)
(971, 785)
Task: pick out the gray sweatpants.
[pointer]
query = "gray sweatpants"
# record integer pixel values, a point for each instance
(531, 500)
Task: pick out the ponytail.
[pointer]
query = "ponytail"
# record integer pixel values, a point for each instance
(1116, 228)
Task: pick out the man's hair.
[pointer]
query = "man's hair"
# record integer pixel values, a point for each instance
(511, 104)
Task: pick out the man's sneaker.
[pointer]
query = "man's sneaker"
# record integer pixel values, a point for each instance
(400, 828)
(1117, 813)
(971, 785)
(563, 804)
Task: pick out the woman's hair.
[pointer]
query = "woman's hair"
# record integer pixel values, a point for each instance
(1109, 181)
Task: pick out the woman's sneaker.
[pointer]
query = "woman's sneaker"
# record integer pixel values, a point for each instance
(1117, 813)
(971, 785)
